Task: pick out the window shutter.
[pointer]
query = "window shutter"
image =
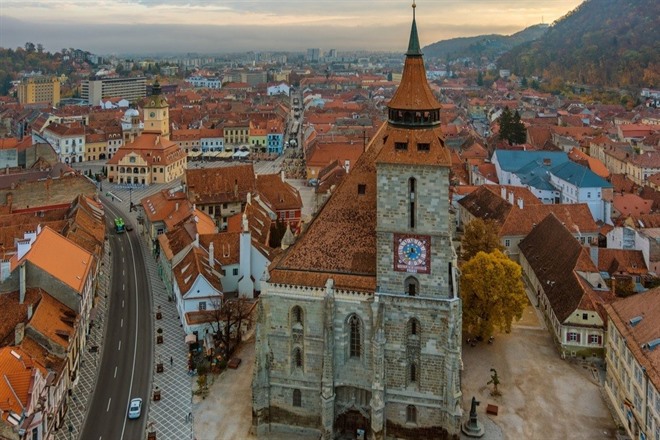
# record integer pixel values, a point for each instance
(577, 338)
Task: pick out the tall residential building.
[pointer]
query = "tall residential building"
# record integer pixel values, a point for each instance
(35, 89)
(359, 322)
(132, 89)
(313, 55)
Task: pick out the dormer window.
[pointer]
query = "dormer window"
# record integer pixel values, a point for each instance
(401, 146)
(362, 188)
(423, 147)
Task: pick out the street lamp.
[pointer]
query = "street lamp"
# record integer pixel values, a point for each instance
(130, 194)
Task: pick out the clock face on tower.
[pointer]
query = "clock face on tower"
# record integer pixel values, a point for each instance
(412, 253)
(152, 114)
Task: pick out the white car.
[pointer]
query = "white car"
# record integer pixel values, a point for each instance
(135, 408)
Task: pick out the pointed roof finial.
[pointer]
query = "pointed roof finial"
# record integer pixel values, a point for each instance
(413, 43)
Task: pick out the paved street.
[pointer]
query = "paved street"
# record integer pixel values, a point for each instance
(122, 367)
(167, 417)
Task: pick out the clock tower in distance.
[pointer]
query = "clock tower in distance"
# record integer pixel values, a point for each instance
(156, 113)
(416, 281)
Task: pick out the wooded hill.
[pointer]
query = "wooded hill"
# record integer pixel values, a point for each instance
(488, 46)
(614, 43)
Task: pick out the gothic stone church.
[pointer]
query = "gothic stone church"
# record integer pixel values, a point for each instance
(359, 324)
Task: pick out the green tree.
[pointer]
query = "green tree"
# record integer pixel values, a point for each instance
(480, 79)
(505, 124)
(512, 128)
(518, 130)
(480, 235)
(493, 293)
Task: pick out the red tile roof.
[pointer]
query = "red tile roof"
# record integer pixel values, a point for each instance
(645, 305)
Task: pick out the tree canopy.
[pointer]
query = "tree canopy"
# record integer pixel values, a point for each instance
(493, 293)
(480, 235)
(511, 127)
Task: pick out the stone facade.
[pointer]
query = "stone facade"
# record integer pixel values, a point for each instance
(359, 325)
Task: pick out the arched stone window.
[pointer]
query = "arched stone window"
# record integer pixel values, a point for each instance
(413, 327)
(412, 286)
(355, 336)
(296, 316)
(412, 184)
(297, 398)
(413, 373)
(411, 414)
(297, 357)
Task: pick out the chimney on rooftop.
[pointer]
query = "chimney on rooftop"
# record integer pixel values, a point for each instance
(19, 333)
(520, 202)
(176, 206)
(502, 192)
(29, 312)
(211, 258)
(21, 283)
(593, 253)
(511, 197)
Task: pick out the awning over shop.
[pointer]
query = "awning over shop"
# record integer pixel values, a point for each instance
(191, 338)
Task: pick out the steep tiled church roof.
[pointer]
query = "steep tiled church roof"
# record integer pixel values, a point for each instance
(341, 241)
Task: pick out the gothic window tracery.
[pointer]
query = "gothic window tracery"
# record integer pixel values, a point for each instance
(355, 336)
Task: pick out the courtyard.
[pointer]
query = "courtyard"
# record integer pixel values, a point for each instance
(542, 396)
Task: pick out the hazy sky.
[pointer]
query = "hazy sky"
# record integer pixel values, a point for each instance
(216, 26)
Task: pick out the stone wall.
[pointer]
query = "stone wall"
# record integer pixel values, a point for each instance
(432, 207)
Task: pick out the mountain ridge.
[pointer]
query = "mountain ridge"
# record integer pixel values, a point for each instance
(489, 45)
(604, 43)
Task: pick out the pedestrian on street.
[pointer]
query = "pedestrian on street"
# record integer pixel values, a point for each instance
(171, 361)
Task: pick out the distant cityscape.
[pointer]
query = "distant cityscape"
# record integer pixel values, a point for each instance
(433, 243)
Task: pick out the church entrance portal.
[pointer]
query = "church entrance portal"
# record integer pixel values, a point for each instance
(350, 424)
(352, 413)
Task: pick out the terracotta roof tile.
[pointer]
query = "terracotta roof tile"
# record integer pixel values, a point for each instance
(61, 258)
(11, 312)
(226, 246)
(277, 193)
(220, 185)
(556, 256)
(645, 305)
(193, 265)
(622, 261)
(54, 320)
(17, 370)
(631, 204)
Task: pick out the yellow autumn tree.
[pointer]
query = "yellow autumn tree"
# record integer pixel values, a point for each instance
(493, 293)
(480, 235)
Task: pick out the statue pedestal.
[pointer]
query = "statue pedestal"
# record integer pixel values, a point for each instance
(473, 428)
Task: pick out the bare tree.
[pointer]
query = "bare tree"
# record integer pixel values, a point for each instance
(228, 317)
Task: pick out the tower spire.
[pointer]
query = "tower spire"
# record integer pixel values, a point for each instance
(413, 43)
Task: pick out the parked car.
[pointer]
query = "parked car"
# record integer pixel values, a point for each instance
(135, 408)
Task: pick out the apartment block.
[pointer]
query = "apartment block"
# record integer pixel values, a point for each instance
(131, 89)
(35, 89)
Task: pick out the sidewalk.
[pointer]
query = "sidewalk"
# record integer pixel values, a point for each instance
(88, 372)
